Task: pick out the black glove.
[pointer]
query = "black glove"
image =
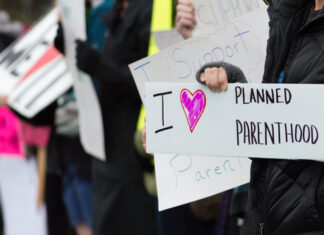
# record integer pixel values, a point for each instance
(87, 57)
(59, 39)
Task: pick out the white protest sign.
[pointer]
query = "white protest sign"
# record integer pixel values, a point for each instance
(179, 63)
(250, 120)
(91, 124)
(212, 13)
(183, 178)
(241, 42)
(32, 71)
(166, 38)
(41, 88)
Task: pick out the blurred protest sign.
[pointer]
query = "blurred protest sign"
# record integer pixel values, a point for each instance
(32, 72)
(18, 195)
(10, 143)
(240, 40)
(211, 14)
(248, 120)
(91, 124)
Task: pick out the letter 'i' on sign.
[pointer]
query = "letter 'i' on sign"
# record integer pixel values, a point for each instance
(163, 124)
(193, 106)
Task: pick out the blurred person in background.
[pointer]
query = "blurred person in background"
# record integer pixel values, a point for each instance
(76, 164)
(9, 30)
(121, 203)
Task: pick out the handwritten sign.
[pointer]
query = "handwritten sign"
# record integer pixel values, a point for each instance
(251, 120)
(10, 144)
(32, 71)
(182, 178)
(91, 124)
(241, 42)
(213, 13)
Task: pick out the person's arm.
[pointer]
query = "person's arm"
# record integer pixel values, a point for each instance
(185, 18)
(105, 67)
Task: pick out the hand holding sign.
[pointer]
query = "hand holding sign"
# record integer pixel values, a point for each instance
(185, 19)
(215, 78)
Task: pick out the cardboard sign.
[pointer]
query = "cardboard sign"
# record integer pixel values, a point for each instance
(179, 63)
(36, 67)
(91, 124)
(213, 13)
(241, 42)
(250, 120)
(182, 178)
(10, 143)
(167, 38)
(50, 79)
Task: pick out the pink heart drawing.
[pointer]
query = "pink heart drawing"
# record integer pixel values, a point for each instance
(193, 106)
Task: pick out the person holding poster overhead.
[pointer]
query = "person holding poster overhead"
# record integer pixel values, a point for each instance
(121, 204)
(285, 197)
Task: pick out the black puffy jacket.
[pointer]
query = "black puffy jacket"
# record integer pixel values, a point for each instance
(287, 197)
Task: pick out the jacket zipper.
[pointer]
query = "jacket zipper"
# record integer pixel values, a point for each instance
(261, 228)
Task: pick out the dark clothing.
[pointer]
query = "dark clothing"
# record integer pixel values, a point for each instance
(57, 218)
(61, 150)
(287, 197)
(181, 221)
(121, 204)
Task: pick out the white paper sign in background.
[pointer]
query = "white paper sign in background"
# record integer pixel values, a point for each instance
(91, 124)
(249, 120)
(32, 71)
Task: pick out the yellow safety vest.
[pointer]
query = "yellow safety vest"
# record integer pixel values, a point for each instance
(161, 20)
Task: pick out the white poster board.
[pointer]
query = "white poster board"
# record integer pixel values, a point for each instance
(32, 71)
(241, 42)
(167, 38)
(182, 178)
(277, 121)
(91, 124)
(18, 195)
(213, 13)
(185, 58)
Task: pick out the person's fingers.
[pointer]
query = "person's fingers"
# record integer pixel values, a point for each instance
(223, 79)
(185, 23)
(202, 77)
(185, 8)
(186, 3)
(144, 137)
(211, 75)
(186, 16)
